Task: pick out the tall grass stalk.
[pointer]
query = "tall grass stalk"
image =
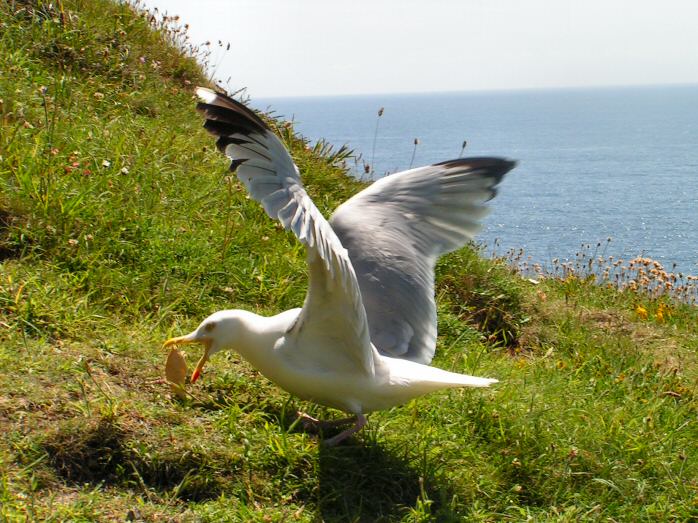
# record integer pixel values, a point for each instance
(462, 149)
(371, 170)
(414, 151)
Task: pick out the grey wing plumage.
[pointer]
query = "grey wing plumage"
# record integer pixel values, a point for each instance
(396, 229)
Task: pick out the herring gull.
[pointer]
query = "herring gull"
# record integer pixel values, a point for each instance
(366, 333)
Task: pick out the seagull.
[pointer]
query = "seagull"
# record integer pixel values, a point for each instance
(366, 333)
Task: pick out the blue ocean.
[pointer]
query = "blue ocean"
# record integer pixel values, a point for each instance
(619, 163)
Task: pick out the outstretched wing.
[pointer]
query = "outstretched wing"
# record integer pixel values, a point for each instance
(333, 303)
(396, 229)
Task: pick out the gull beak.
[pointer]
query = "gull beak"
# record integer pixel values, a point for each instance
(188, 339)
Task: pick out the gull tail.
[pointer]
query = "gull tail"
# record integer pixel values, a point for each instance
(443, 379)
(474, 381)
(423, 379)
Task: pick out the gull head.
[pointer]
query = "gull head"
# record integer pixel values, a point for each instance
(219, 331)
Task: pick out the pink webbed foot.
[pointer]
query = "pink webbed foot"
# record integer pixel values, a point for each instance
(359, 424)
(315, 425)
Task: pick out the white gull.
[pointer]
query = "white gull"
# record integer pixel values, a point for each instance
(366, 334)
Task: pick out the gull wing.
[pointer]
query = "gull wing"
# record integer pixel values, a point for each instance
(396, 229)
(261, 161)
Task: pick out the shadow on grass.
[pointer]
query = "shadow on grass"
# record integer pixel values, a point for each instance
(363, 479)
(102, 452)
(368, 482)
(86, 451)
(7, 249)
(365, 483)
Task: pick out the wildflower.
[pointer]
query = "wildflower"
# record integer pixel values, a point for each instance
(641, 312)
(106, 163)
(663, 312)
(72, 242)
(98, 96)
(124, 170)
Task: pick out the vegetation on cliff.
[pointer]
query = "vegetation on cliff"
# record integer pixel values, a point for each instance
(119, 226)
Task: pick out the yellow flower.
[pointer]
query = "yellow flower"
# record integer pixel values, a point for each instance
(641, 312)
(663, 312)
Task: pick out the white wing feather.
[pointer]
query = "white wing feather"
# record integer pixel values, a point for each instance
(264, 165)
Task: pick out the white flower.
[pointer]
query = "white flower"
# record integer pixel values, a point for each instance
(106, 163)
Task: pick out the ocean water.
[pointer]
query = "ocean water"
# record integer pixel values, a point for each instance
(619, 163)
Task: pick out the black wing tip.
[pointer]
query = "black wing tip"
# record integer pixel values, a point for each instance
(235, 163)
(480, 162)
(493, 166)
(218, 106)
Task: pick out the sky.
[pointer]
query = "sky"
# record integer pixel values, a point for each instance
(285, 48)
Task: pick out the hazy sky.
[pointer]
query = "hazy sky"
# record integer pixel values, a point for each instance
(315, 47)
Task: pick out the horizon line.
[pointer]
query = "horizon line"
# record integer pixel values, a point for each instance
(474, 91)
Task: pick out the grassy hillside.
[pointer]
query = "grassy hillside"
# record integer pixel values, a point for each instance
(119, 227)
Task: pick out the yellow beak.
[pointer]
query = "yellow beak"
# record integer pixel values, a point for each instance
(184, 340)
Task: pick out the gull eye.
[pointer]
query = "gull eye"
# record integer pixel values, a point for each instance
(209, 326)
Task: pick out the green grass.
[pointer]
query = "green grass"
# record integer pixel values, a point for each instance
(119, 228)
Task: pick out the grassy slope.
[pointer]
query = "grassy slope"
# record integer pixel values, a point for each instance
(117, 230)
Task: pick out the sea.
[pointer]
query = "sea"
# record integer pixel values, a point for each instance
(593, 164)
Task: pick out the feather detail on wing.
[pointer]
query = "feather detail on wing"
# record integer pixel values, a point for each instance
(263, 164)
(396, 229)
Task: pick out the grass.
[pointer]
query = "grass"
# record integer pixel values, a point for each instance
(119, 228)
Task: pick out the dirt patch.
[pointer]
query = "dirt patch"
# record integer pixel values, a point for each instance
(609, 321)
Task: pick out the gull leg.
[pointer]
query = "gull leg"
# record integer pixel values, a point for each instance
(310, 423)
(358, 425)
